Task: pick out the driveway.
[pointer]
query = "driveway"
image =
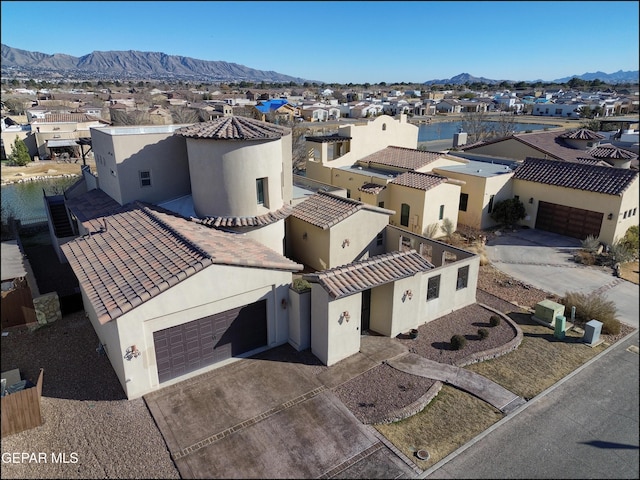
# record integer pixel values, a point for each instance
(543, 260)
(271, 417)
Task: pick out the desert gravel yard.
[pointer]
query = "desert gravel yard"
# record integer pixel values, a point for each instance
(86, 416)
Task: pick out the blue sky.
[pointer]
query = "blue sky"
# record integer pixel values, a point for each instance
(346, 42)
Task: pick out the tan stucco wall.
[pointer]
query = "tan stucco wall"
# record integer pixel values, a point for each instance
(332, 337)
(159, 151)
(610, 229)
(480, 190)
(424, 204)
(213, 290)
(360, 231)
(224, 174)
(311, 250)
(271, 235)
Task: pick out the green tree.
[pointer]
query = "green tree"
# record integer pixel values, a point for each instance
(20, 154)
(508, 212)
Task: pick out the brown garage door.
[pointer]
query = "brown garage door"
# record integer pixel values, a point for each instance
(572, 222)
(208, 340)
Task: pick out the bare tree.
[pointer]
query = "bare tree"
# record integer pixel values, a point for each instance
(505, 125)
(477, 126)
(184, 115)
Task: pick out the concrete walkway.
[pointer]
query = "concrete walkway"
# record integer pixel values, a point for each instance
(471, 382)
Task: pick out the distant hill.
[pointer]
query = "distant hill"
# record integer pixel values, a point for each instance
(611, 78)
(133, 64)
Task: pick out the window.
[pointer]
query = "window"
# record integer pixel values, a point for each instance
(404, 215)
(625, 215)
(145, 178)
(463, 278)
(348, 193)
(381, 204)
(490, 209)
(261, 191)
(634, 211)
(379, 239)
(433, 288)
(441, 214)
(464, 199)
(516, 197)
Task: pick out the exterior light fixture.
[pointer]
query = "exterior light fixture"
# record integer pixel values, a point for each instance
(408, 294)
(346, 315)
(610, 216)
(284, 303)
(345, 243)
(531, 200)
(132, 352)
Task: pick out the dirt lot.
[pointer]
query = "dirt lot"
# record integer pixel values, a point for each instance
(41, 168)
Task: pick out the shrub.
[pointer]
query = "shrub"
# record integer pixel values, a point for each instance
(620, 253)
(20, 154)
(483, 333)
(631, 239)
(458, 342)
(508, 212)
(494, 321)
(300, 285)
(585, 257)
(590, 244)
(593, 306)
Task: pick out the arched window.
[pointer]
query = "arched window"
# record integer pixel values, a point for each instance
(384, 126)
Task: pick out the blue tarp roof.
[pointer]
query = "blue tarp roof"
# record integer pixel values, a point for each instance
(270, 105)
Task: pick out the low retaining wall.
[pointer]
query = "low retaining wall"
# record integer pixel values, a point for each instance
(39, 177)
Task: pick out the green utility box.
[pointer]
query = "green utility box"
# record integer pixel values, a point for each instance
(546, 311)
(561, 324)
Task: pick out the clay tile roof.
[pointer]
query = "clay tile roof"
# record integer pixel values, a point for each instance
(234, 128)
(257, 221)
(137, 253)
(325, 209)
(372, 188)
(609, 151)
(582, 134)
(92, 204)
(400, 157)
(365, 274)
(421, 181)
(592, 178)
(68, 118)
(327, 138)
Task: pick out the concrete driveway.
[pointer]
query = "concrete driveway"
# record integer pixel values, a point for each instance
(274, 416)
(543, 260)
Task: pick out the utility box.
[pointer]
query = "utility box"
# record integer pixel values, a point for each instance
(561, 323)
(592, 331)
(459, 139)
(546, 311)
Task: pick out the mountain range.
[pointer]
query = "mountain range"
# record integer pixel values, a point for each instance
(131, 64)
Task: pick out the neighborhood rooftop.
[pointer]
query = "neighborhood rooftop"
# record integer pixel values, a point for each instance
(324, 210)
(421, 181)
(399, 157)
(365, 274)
(234, 128)
(592, 178)
(138, 253)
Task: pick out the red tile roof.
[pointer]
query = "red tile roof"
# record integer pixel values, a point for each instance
(373, 188)
(92, 204)
(609, 151)
(582, 134)
(257, 221)
(234, 128)
(325, 210)
(400, 157)
(365, 274)
(68, 118)
(138, 253)
(421, 181)
(592, 178)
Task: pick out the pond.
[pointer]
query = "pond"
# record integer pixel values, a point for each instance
(446, 130)
(25, 200)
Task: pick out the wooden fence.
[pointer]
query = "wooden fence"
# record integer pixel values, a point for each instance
(17, 305)
(21, 410)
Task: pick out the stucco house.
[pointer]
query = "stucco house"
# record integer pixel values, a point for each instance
(327, 230)
(580, 145)
(179, 252)
(576, 199)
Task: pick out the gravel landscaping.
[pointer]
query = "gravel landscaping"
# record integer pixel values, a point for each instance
(86, 413)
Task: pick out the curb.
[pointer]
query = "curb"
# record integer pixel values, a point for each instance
(534, 400)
